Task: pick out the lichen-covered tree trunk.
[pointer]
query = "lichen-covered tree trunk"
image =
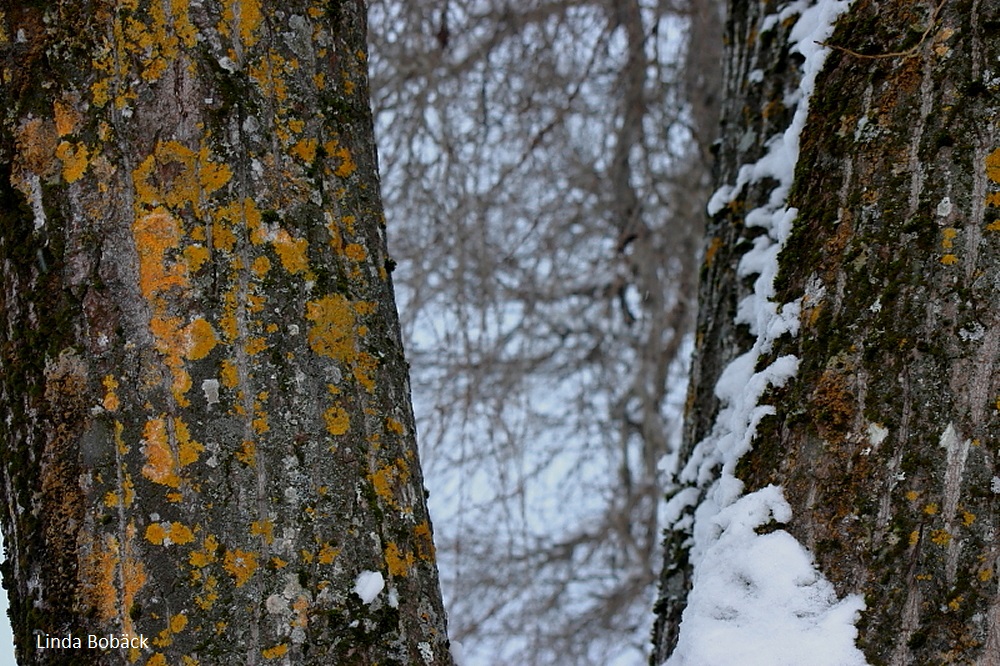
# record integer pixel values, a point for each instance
(886, 441)
(206, 432)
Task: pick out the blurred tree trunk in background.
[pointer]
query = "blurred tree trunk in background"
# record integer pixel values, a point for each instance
(886, 440)
(548, 161)
(207, 433)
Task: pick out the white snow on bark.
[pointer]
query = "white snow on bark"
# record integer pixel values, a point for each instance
(368, 585)
(758, 599)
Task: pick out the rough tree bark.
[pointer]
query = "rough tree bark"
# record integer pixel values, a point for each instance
(207, 433)
(886, 441)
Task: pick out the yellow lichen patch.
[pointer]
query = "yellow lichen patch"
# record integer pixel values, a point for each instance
(394, 426)
(207, 600)
(276, 651)
(240, 564)
(914, 538)
(68, 119)
(156, 234)
(293, 252)
(364, 368)
(968, 518)
(157, 660)
(347, 165)
(327, 554)
(200, 339)
(956, 603)
(948, 237)
(993, 166)
(75, 158)
(111, 401)
(165, 534)
(168, 176)
(178, 622)
(305, 150)
(949, 259)
(355, 252)
(212, 176)
(264, 529)
(229, 374)
(931, 509)
(912, 495)
(155, 534)
(195, 256)
(260, 266)
(985, 575)
(993, 199)
(255, 345)
(425, 541)
(206, 555)
(337, 420)
(332, 333)
(713, 248)
(160, 465)
(941, 537)
(399, 564)
(278, 563)
(247, 453)
(98, 577)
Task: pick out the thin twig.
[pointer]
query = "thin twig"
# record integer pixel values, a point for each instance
(896, 54)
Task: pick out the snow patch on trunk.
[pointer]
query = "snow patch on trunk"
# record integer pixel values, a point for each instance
(758, 599)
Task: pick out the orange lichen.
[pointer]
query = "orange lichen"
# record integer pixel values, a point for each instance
(111, 401)
(157, 660)
(305, 150)
(327, 554)
(172, 533)
(161, 464)
(293, 252)
(337, 420)
(264, 529)
(347, 165)
(394, 426)
(425, 541)
(156, 234)
(276, 651)
(229, 374)
(200, 339)
(260, 266)
(207, 600)
(941, 537)
(364, 369)
(240, 564)
(332, 333)
(155, 534)
(195, 256)
(993, 166)
(247, 453)
(75, 158)
(355, 252)
(68, 119)
(206, 555)
(399, 564)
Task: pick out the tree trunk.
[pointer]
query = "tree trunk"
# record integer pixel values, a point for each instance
(208, 438)
(885, 441)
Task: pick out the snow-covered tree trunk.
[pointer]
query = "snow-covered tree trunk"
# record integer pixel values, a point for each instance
(207, 437)
(870, 388)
